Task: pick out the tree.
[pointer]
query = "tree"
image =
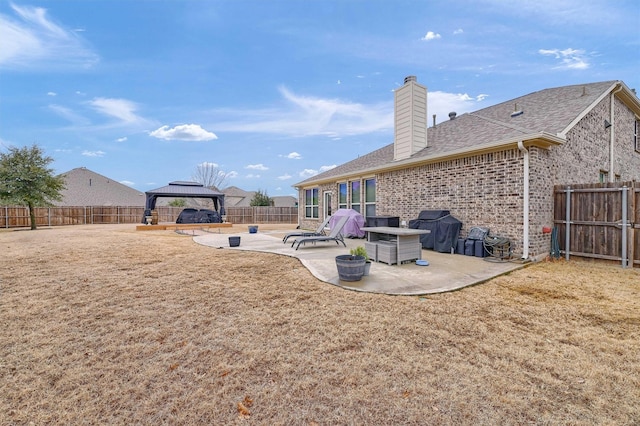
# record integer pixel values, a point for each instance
(261, 199)
(210, 175)
(178, 202)
(25, 179)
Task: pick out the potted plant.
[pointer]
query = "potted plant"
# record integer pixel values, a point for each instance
(361, 251)
(350, 267)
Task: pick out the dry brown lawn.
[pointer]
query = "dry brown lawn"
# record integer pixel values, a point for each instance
(108, 325)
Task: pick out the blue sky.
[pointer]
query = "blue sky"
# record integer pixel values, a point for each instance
(273, 92)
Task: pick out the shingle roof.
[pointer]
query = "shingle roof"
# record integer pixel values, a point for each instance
(185, 189)
(87, 188)
(550, 111)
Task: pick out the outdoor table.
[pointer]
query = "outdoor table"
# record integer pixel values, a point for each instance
(393, 245)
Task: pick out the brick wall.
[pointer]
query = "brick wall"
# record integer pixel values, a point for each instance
(482, 190)
(586, 151)
(487, 190)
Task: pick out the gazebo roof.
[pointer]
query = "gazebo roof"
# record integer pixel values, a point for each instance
(184, 189)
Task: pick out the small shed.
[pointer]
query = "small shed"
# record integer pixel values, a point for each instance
(184, 189)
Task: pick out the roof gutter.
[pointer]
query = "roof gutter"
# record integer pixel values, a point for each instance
(525, 212)
(542, 139)
(612, 134)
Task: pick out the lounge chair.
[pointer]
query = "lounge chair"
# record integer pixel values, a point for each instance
(318, 232)
(335, 235)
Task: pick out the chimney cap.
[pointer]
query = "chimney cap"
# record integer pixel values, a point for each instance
(410, 78)
(452, 115)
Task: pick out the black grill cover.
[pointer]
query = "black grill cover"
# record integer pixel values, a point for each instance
(198, 216)
(444, 228)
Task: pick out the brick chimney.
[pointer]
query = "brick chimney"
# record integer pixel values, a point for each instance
(410, 119)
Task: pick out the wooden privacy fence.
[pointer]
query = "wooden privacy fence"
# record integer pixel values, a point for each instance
(262, 214)
(599, 221)
(18, 216)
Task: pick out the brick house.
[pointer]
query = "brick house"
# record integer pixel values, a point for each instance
(495, 167)
(84, 187)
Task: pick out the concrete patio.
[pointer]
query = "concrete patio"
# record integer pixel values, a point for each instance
(445, 272)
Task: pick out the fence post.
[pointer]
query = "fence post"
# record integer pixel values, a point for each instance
(567, 229)
(624, 226)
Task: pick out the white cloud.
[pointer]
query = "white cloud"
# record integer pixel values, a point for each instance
(68, 114)
(285, 176)
(232, 174)
(442, 103)
(52, 94)
(310, 116)
(431, 36)
(294, 156)
(257, 167)
(252, 176)
(458, 31)
(569, 58)
(306, 173)
(122, 109)
(122, 139)
(31, 40)
(93, 153)
(184, 132)
(127, 182)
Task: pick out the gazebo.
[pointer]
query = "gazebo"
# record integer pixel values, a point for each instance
(184, 189)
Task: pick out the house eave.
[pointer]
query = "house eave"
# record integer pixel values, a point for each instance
(542, 140)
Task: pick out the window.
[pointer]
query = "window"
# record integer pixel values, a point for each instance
(342, 196)
(370, 197)
(636, 135)
(604, 176)
(355, 195)
(311, 203)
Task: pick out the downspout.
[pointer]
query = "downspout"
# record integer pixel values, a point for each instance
(612, 130)
(525, 213)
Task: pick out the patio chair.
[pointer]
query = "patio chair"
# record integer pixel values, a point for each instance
(316, 233)
(334, 235)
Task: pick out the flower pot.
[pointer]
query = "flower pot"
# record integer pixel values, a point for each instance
(253, 229)
(350, 268)
(234, 241)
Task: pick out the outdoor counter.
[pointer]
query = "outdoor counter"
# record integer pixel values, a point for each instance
(393, 245)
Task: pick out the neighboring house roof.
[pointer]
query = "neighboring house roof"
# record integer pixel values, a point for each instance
(87, 188)
(236, 197)
(284, 201)
(541, 117)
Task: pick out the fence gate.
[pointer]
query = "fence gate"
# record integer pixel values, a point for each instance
(599, 221)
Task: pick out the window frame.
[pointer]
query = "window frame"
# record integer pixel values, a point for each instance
(311, 204)
(603, 176)
(355, 195)
(343, 204)
(368, 203)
